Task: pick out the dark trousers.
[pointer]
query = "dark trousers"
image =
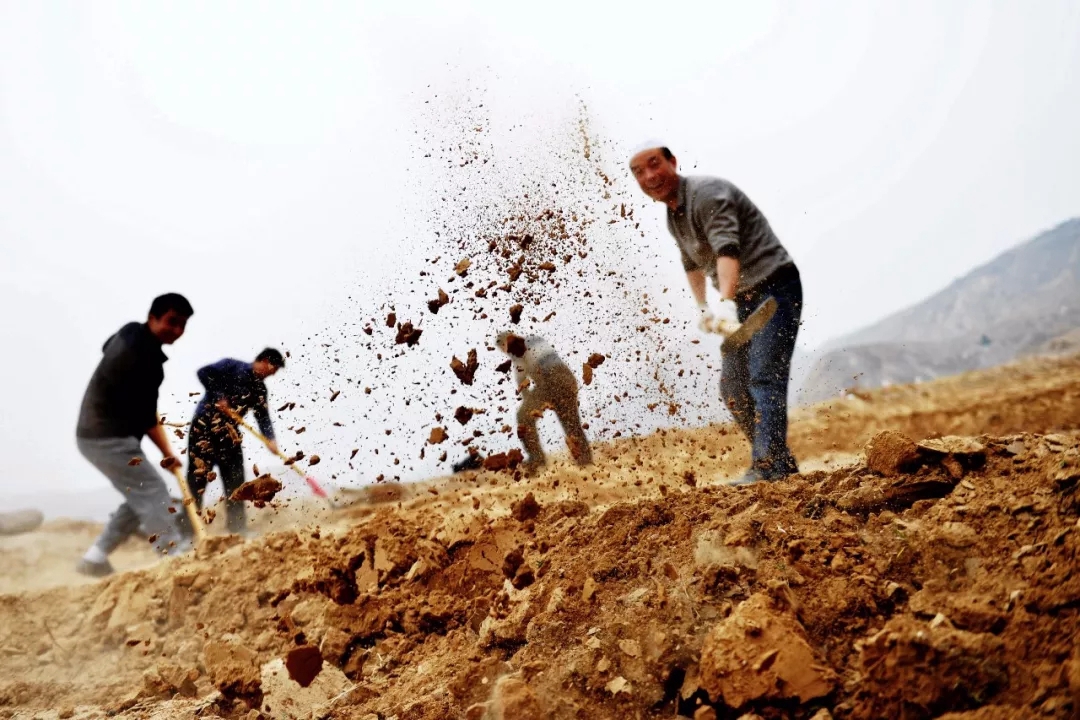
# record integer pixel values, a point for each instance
(754, 378)
(205, 454)
(554, 387)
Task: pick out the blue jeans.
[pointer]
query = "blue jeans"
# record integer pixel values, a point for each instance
(754, 377)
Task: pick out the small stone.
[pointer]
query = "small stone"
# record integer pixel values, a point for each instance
(891, 453)
(618, 685)
(261, 489)
(953, 445)
(512, 561)
(1072, 671)
(167, 679)
(465, 371)
(408, 334)
(525, 509)
(1065, 477)
(704, 713)
(745, 640)
(513, 699)
(286, 699)
(434, 305)
(958, 535)
(953, 467)
(1055, 441)
(304, 664)
(1016, 447)
(233, 668)
(504, 461)
(588, 590)
(938, 621)
(479, 711)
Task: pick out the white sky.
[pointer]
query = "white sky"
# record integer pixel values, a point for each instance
(259, 157)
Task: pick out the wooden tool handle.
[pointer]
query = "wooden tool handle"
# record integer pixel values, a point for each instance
(189, 505)
(289, 462)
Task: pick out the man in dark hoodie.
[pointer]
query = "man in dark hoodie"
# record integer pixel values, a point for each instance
(232, 388)
(119, 407)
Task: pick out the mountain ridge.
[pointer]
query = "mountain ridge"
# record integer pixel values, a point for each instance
(1019, 301)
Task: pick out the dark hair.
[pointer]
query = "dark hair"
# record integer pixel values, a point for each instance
(171, 301)
(667, 153)
(272, 356)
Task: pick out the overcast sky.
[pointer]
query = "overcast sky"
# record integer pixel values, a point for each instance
(261, 157)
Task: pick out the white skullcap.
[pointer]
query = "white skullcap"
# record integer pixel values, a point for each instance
(647, 145)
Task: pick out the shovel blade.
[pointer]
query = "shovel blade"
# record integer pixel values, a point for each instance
(753, 324)
(316, 488)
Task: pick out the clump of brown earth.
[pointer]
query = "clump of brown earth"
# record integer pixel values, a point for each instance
(925, 581)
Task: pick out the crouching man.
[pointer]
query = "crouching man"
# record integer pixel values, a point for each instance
(545, 382)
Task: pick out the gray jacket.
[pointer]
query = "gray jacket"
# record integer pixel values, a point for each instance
(714, 218)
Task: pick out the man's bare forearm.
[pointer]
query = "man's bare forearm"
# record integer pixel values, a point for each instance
(696, 278)
(160, 439)
(727, 276)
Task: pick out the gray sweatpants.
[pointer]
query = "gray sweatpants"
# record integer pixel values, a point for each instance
(146, 497)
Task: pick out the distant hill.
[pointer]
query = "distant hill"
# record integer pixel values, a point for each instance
(1025, 301)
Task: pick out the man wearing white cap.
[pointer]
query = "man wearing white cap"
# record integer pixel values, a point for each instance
(723, 236)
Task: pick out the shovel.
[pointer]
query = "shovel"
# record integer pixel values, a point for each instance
(197, 526)
(750, 327)
(312, 483)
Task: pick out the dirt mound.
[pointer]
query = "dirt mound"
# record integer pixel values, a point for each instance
(946, 586)
(768, 599)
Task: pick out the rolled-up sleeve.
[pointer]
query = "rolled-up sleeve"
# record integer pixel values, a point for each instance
(720, 219)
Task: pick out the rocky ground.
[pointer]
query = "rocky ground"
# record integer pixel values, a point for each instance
(927, 571)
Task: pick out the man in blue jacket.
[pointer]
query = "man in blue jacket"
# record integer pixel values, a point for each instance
(232, 386)
(118, 409)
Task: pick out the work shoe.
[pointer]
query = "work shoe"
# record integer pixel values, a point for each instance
(94, 569)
